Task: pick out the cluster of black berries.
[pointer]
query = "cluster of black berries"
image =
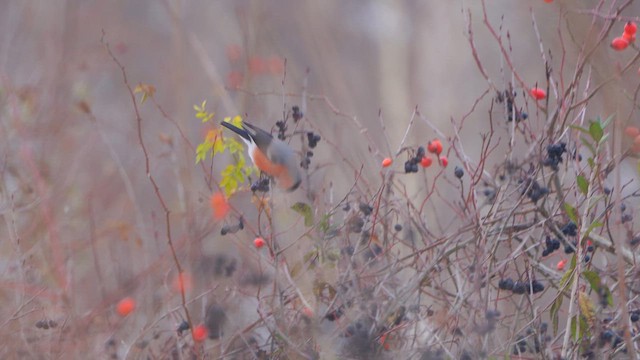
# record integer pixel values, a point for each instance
(534, 191)
(313, 140)
(531, 341)
(261, 185)
(610, 337)
(296, 114)
(46, 324)
(554, 155)
(570, 229)
(365, 208)
(232, 229)
(411, 165)
(509, 97)
(282, 129)
(551, 245)
(635, 315)
(521, 287)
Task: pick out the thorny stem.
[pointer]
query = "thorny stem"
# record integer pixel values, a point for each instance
(156, 189)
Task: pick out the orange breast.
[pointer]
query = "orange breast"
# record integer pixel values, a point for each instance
(278, 171)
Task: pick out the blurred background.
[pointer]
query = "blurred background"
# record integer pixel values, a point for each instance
(83, 226)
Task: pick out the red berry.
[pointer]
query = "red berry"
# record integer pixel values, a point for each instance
(200, 333)
(435, 147)
(629, 37)
(387, 162)
(538, 93)
(426, 161)
(444, 161)
(126, 306)
(548, 1)
(619, 43)
(632, 131)
(630, 28)
(561, 264)
(258, 242)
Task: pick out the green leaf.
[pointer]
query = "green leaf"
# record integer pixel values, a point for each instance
(571, 212)
(596, 131)
(593, 278)
(304, 210)
(583, 184)
(555, 307)
(573, 327)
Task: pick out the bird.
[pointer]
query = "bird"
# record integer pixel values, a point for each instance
(271, 156)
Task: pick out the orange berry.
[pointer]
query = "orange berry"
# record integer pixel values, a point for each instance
(630, 28)
(426, 161)
(632, 131)
(444, 161)
(538, 93)
(258, 242)
(200, 333)
(219, 205)
(126, 306)
(561, 264)
(435, 147)
(387, 162)
(619, 43)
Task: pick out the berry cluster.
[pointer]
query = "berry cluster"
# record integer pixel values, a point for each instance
(534, 191)
(411, 165)
(554, 155)
(46, 324)
(531, 341)
(628, 36)
(296, 114)
(635, 315)
(512, 111)
(313, 140)
(521, 287)
(551, 246)
(282, 129)
(261, 185)
(434, 147)
(610, 337)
